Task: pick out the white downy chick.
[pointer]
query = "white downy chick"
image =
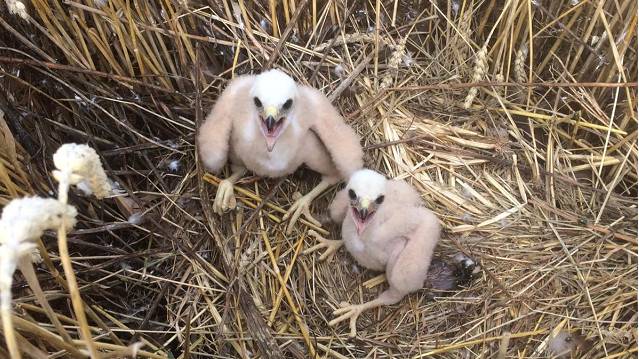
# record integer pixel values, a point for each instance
(271, 125)
(385, 228)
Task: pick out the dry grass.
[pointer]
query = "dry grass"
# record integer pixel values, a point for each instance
(536, 180)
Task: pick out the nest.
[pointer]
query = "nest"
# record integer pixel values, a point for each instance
(515, 120)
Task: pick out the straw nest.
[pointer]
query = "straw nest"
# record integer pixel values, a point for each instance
(516, 120)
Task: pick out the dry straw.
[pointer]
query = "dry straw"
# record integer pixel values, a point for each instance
(340, 40)
(541, 192)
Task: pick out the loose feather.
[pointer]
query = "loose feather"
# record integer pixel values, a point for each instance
(449, 274)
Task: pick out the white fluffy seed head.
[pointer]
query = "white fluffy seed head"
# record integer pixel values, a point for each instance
(17, 8)
(26, 219)
(23, 221)
(81, 164)
(8, 264)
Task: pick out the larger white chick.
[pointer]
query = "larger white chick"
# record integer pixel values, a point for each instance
(271, 125)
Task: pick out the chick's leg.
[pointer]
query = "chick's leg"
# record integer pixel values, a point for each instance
(352, 311)
(331, 246)
(225, 197)
(302, 205)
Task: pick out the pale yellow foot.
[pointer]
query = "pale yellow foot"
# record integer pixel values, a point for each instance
(225, 197)
(331, 246)
(348, 311)
(301, 206)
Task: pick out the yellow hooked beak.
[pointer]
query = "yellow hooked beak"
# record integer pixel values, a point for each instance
(272, 126)
(364, 203)
(361, 215)
(270, 111)
(363, 207)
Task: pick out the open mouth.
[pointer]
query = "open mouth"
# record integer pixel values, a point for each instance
(361, 219)
(272, 132)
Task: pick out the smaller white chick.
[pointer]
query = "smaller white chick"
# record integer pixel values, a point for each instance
(385, 228)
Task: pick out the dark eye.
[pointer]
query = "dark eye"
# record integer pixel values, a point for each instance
(287, 104)
(352, 194)
(257, 101)
(379, 199)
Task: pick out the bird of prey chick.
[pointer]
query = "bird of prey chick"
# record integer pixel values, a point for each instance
(385, 228)
(271, 125)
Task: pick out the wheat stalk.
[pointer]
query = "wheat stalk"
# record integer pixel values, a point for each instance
(393, 64)
(480, 69)
(519, 67)
(520, 62)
